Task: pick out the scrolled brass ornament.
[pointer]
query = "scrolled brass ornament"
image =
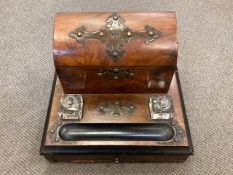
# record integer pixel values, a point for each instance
(115, 73)
(115, 35)
(116, 108)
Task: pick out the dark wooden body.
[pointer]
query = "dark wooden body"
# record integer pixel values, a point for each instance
(77, 65)
(117, 151)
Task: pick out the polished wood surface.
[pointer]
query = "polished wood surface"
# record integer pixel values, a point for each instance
(117, 151)
(161, 52)
(77, 65)
(76, 80)
(154, 72)
(140, 115)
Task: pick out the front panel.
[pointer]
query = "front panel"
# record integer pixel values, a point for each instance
(81, 80)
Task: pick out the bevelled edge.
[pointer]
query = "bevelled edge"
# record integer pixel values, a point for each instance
(191, 150)
(42, 147)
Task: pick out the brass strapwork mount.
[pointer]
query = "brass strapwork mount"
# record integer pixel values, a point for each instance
(115, 35)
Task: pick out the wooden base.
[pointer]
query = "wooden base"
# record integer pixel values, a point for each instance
(177, 149)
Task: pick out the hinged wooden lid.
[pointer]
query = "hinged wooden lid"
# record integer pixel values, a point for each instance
(115, 39)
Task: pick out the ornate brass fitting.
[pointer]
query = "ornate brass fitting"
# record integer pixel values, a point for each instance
(116, 108)
(115, 35)
(116, 73)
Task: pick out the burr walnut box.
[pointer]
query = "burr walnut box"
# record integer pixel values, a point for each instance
(116, 95)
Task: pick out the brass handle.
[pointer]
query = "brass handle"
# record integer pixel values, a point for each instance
(115, 73)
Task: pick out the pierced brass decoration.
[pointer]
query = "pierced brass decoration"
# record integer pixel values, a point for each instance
(115, 74)
(115, 35)
(116, 108)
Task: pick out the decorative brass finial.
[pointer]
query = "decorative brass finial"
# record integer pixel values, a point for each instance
(115, 35)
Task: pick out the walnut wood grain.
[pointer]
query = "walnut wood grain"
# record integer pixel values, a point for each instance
(140, 115)
(84, 80)
(77, 65)
(117, 151)
(154, 65)
(160, 52)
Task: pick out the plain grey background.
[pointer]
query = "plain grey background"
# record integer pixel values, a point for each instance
(205, 34)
